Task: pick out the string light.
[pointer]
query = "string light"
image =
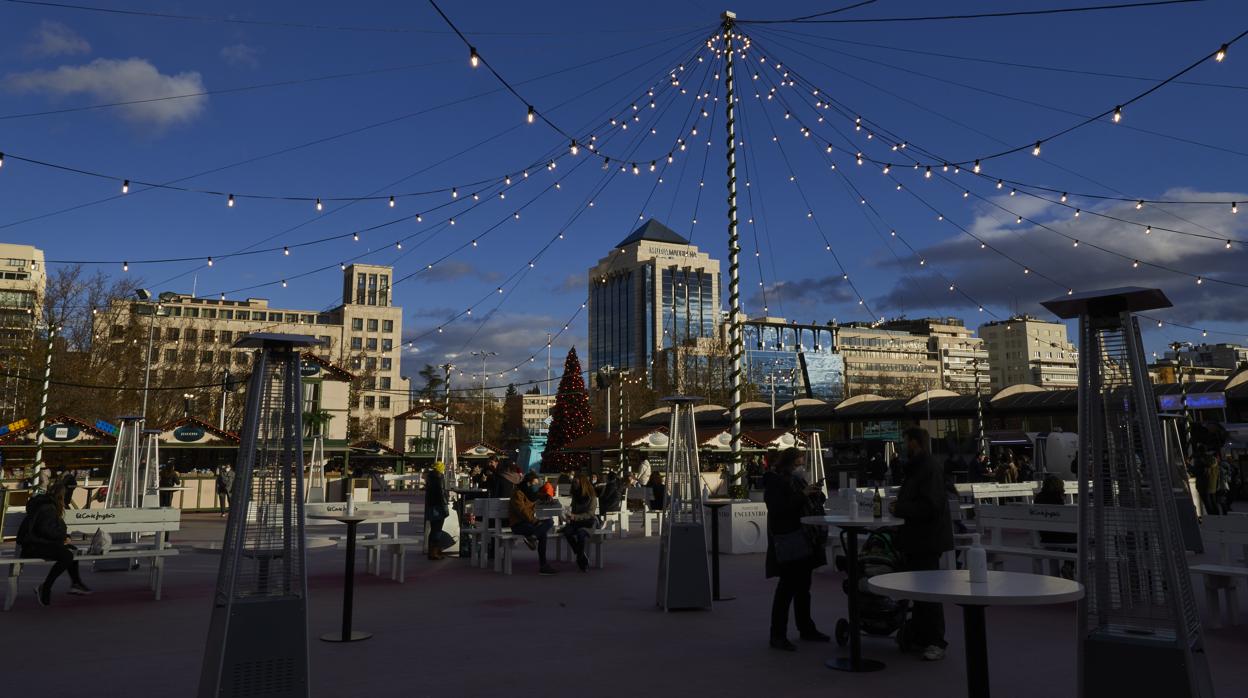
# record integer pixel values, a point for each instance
(1220, 55)
(1, 159)
(473, 58)
(1139, 205)
(1135, 264)
(454, 193)
(229, 201)
(976, 168)
(574, 149)
(125, 187)
(532, 115)
(1075, 244)
(342, 266)
(1036, 150)
(355, 237)
(1063, 199)
(398, 245)
(1000, 184)
(283, 283)
(1117, 114)
(391, 202)
(210, 261)
(286, 251)
(1199, 281)
(1228, 244)
(1148, 230)
(1234, 207)
(319, 206)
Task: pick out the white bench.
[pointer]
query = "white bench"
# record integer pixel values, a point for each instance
(385, 538)
(491, 515)
(1224, 533)
(505, 549)
(115, 521)
(597, 536)
(994, 520)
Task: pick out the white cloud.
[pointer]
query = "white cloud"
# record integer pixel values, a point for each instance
(241, 55)
(122, 80)
(55, 39)
(994, 281)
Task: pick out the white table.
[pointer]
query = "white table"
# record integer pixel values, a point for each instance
(348, 592)
(1001, 589)
(853, 524)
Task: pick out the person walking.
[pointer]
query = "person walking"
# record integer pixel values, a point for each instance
(43, 535)
(793, 549)
(168, 478)
(658, 491)
(926, 534)
(437, 508)
(225, 486)
(523, 519)
(581, 518)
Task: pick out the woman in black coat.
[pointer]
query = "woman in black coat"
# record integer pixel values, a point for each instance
(43, 535)
(788, 499)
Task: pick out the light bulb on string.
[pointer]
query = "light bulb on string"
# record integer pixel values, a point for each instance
(398, 245)
(1220, 55)
(1063, 199)
(1075, 243)
(1228, 244)
(1036, 150)
(1077, 212)
(574, 149)
(125, 187)
(454, 193)
(286, 251)
(473, 58)
(1148, 230)
(652, 165)
(355, 237)
(1135, 264)
(927, 174)
(342, 266)
(391, 202)
(210, 261)
(1000, 184)
(1139, 205)
(532, 115)
(1234, 207)
(1117, 117)
(319, 206)
(283, 283)
(1199, 281)
(229, 201)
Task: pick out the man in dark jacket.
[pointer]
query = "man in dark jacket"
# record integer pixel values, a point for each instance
(612, 493)
(927, 533)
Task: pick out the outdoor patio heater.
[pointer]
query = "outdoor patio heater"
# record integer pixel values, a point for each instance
(124, 478)
(445, 453)
(258, 632)
(684, 572)
(316, 470)
(814, 459)
(149, 466)
(1139, 632)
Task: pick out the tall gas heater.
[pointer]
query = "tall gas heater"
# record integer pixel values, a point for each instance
(258, 633)
(1139, 632)
(684, 572)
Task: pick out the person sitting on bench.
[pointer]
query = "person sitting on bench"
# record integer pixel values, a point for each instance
(524, 520)
(581, 518)
(43, 535)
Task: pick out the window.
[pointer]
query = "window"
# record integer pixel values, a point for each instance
(387, 325)
(387, 344)
(357, 343)
(369, 402)
(385, 383)
(355, 363)
(192, 312)
(171, 356)
(171, 334)
(210, 313)
(372, 325)
(326, 341)
(384, 402)
(292, 318)
(227, 314)
(118, 331)
(155, 333)
(192, 334)
(205, 357)
(372, 344)
(210, 336)
(240, 358)
(242, 314)
(275, 317)
(226, 336)
(357, 324)
(370, 383)
(383, 428)
(370, 363)
(385, 364)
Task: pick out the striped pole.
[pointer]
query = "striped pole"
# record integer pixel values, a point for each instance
(734, 248)
(43, 399)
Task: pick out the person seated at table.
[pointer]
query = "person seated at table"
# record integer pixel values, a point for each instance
(793, 550)
(168, 478)
(658, 491)
(612, 494)
(522, 516)
(982, 470)
(1053, 491)
(43, 535)
(506, 482)
(926, 535)
(71, 484)
(581, 518)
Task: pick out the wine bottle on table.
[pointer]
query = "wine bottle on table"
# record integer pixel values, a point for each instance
(877, 504)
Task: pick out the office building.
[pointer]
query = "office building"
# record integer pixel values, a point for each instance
(535, 412)
(655, 291)
(1025, 349)
(892, 363)
(1221, 355)
(961, 358)
(23, 281)
(363, 334)
(797, 360)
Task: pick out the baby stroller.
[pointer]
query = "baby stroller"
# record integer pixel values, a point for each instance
(877, 615)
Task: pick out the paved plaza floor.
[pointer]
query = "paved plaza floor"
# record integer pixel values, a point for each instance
(452, 629)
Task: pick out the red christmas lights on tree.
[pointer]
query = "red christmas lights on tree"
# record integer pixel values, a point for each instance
(569, 420)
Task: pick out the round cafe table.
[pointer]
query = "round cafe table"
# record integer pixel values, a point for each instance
(1001, 589)
(348, 591)
(854, 525)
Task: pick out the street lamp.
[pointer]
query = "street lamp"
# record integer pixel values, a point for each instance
(484, 355)
(145, 298)
(43, 398)
(186, 403)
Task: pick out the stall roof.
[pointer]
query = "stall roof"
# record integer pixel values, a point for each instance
(229, 436)
(92, 433)
(637, 437)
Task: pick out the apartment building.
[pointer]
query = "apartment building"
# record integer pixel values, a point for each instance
(23, 280)
(961, 357)
(363, 334)
(1025, 349)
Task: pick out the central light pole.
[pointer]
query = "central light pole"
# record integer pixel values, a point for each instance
(735, 339)
(484, 355)
(43, 397)
(145, 297)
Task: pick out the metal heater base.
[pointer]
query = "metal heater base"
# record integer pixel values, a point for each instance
(1143, 666)
(265, 651)
(684, 576)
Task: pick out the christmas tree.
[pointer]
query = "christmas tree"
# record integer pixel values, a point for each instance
(570, 420)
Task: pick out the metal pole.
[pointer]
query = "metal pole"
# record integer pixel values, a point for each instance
(734, 246)
(43, 399)
(772, 379)
(225, 380)
(446, 384)
(483, 380)
(607, 408)
(147, 370)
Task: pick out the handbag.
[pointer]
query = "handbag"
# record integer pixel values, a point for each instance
(792, 546)
(442, 539)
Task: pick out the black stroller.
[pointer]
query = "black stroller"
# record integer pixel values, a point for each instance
(878, 615)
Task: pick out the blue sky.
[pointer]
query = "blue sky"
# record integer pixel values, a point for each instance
(609, 55)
